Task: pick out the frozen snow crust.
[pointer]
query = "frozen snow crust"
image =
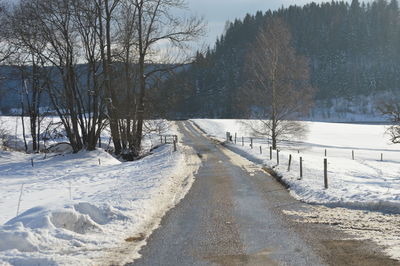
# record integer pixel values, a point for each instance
(79, 209)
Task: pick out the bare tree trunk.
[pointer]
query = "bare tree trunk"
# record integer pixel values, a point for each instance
(105, 46)
(33, 108)
(140, 108)
(23, 123)
(156, 23)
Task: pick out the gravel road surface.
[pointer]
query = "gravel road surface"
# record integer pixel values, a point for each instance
(233, 216)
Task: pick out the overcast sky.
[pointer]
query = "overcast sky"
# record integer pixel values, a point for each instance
(217, 12)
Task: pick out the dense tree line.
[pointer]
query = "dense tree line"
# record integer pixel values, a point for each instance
(353, 48)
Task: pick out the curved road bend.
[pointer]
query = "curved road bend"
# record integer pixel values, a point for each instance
(232, 216)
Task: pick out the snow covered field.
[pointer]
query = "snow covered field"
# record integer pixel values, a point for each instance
(79, 209)
(363, 197)
(365, 182)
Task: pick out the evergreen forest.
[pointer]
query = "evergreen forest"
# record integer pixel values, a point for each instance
(352, 49)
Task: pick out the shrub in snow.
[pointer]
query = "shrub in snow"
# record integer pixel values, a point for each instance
(4, 135)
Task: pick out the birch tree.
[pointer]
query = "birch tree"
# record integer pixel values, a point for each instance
(278, 89)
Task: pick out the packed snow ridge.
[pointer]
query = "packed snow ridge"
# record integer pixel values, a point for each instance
(78, 209)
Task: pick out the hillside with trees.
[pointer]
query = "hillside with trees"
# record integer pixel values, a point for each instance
(353, 49)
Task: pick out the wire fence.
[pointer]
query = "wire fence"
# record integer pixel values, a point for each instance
(263, 146)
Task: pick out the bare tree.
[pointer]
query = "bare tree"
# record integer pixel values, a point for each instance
(100, 57)
(143, 31)
(5, 49)
(106, 13)
(87, 23)
(156, 24)
(25, 41)
(55, 22)
(126, 53)
(73, 39)
(278, 90)
(391, 110)
(69, 30)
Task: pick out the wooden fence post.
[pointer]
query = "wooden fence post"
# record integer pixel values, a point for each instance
(290, 162)
(242, 141)
(32, 162)
(301, 167)
(99, 162)
(20, 198)
(260, 150)
(270, 153)
(277, 156)
(165, 139)
(174, 145)
(161, 138)
(326, 173)
(325, 153)
(251, 143)
(352, 154)
(70, 190)
(235, 137)
(381, 157)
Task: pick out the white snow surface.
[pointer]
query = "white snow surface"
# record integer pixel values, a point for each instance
(78, 209)
(363, 197)
(381, 228)
(366, 182)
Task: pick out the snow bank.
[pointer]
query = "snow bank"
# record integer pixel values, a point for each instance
(365, 182)
(78, 209)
